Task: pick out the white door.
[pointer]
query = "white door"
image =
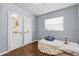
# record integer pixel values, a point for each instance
(27, 30)
(14, 31)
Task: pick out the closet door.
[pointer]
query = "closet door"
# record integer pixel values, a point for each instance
(27, 30)
(14, 31)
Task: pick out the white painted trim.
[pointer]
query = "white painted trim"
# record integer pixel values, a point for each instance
(16, 48)
(4, 53)
(36, 40)
(30, 42)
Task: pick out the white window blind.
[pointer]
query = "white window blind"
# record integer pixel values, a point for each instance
(55, 24)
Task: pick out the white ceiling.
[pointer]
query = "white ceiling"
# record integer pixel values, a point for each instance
(43, 8)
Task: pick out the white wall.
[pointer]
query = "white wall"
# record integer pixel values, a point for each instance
(70, 15)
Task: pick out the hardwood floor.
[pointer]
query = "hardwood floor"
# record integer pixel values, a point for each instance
(31, 50)
(28, 50)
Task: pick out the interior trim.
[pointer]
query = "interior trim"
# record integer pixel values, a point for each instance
(16, 48)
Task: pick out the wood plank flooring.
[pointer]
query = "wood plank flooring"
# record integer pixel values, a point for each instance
(28, 50)
(31, 50)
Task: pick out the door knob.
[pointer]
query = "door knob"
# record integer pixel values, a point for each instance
(15, 32)
(25, 32)
(20, 32)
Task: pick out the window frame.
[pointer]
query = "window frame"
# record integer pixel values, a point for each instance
(55, 29)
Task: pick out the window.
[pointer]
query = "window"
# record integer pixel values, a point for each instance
(54, 24)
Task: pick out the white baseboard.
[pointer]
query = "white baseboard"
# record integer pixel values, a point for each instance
(30, 42)
(16, 48)
(35, 40)
(4, 53)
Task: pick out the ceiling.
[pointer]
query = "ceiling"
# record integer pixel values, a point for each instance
(43, 8)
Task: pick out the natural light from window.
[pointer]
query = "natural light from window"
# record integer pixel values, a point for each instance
(54, 24)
